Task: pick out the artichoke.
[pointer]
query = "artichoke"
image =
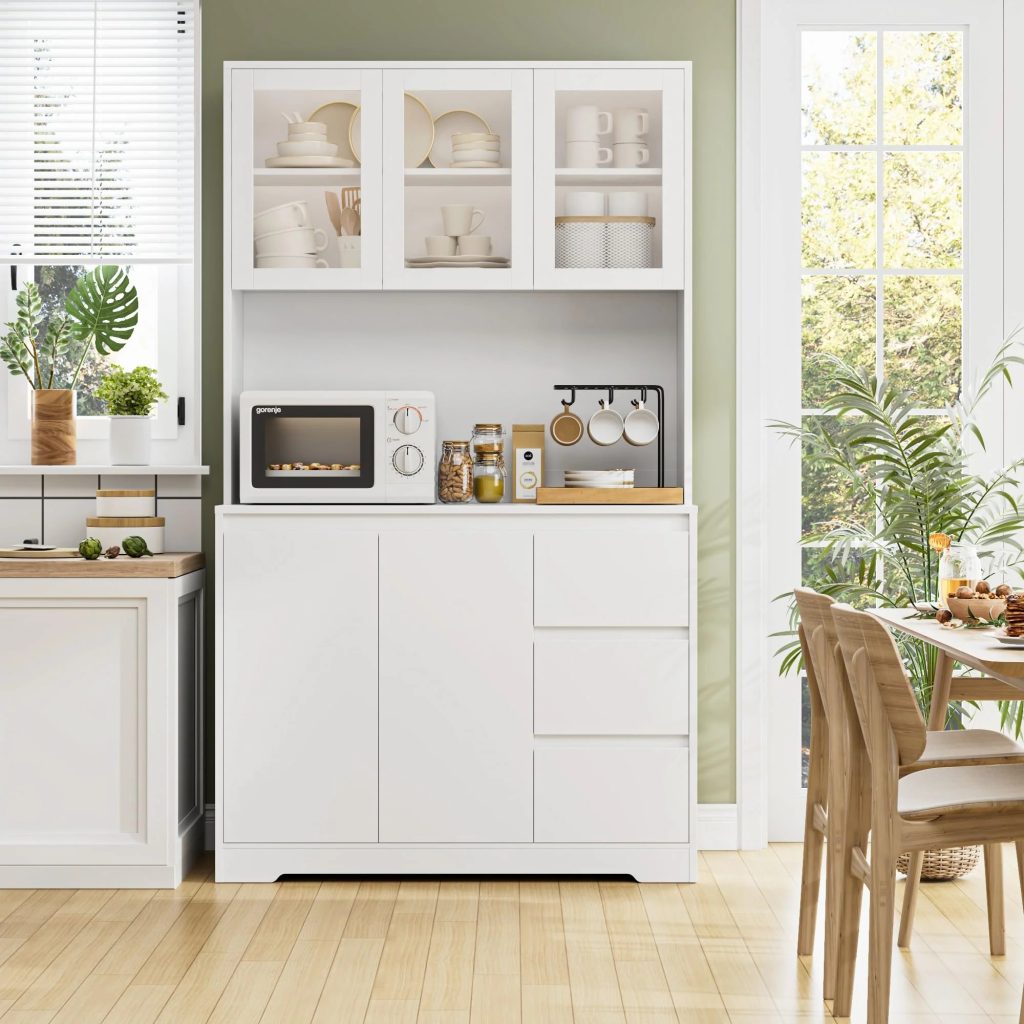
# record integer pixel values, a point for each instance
(90, 548)
(135, 547)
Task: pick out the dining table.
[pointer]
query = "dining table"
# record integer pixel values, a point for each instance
(1001, 665)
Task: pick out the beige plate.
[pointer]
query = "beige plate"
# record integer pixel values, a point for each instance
(338, 115)
(309, 161)
(453, 122)
(476, 163)
(419, 130)
(355, 138)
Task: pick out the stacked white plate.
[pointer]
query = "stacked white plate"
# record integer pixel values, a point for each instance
(307, 146)
(476, 149)
(605, 478)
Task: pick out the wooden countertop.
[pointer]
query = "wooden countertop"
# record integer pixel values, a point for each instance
(166, 566)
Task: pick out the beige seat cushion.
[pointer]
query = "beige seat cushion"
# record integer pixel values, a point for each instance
(961, 746)
(937, 791)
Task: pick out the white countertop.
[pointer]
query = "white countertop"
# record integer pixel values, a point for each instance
(469, 509)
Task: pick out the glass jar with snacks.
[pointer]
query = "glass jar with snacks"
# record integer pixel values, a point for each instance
(489, 439)
(959, 566)
(489, 477)
(455, 473)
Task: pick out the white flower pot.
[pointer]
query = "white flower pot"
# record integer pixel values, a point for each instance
(129, 440)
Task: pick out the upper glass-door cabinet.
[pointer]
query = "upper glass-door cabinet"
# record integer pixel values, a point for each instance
(458, 178)
(611, 174)
(305, 183)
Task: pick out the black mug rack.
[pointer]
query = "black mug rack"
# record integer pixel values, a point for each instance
(658, 390)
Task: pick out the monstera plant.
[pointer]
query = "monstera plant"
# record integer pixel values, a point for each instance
(100, 313)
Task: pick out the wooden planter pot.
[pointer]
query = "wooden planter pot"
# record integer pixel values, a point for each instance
(53, 427)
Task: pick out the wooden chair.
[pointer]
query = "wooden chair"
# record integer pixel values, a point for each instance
(832, 716)
(928, 809)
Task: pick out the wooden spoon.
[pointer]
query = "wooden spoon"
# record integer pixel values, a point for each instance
(334, 211)
(349, 221)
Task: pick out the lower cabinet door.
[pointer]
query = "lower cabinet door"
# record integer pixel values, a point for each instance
(300, 682)
(456, 686)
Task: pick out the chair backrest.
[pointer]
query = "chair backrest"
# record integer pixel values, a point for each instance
(819, 639)
(879, 682)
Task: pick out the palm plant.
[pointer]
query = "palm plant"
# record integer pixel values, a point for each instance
(911, 474)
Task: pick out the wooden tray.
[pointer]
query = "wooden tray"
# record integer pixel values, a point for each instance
(52, 553)
(609, 495)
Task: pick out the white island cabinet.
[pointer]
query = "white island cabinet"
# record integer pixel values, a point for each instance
(452, 690)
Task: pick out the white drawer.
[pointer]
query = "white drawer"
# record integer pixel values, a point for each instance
(611, 795)
(610, 578)
(620, 686)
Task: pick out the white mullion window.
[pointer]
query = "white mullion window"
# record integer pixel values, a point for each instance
(97, 165)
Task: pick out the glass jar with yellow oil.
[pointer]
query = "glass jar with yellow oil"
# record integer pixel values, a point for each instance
(959, 566)
(489, 477)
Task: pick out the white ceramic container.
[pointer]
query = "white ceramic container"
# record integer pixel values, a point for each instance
(350, 251)
(627, 204)
(129, 440)
(585, 204)
(120, 503)
(281, 218)
(113, 531)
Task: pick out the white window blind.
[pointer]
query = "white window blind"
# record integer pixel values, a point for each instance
(97, 130)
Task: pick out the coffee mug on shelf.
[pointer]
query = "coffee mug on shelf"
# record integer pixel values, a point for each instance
(475, 245)
(461, 219)
(641, 425)
(627, 204)
(631, 154)
(586, 154)
(566, 427)
(605, 426)
(584, 204)
(631, 124)
(291, 242)
(281, 218)
(440, 245)
(585, 123)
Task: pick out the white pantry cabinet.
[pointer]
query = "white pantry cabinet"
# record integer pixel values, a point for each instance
(435, 689)
(100, 722)
(391, 109)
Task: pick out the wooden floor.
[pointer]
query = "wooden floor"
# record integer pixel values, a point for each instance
(717, 952)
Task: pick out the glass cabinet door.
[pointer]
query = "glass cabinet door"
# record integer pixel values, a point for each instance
(306, 179)
(458, 165)
(610, 178)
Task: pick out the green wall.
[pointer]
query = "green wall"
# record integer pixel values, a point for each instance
(703, 31)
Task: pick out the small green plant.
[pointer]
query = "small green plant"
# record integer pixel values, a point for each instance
(100, 312)
(130, 392)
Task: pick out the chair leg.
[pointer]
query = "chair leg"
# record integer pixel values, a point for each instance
(994, 899)
(883, 917)
(856, 828)
(837, 841)
(1020, 868)
(910, 900)
(810, 880)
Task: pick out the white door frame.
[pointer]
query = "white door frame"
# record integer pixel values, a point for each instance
(762, 373)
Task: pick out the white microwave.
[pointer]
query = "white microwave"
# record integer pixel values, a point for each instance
(337, 447)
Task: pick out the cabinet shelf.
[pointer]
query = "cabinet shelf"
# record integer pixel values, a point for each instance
(608, 176)
(445, 176)
(312, 177)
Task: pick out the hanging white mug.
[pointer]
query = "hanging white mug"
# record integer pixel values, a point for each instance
(586, 154)
(586, 123)
(640, 426)
(605, 426)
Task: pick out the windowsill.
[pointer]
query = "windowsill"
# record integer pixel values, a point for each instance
(108, 470)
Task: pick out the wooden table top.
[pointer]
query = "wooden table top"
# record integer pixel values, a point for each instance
(977, 648)
(166, 566)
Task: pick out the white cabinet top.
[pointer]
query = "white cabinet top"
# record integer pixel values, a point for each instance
(456, 511)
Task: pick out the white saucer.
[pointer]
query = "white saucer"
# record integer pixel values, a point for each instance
(1011, 641)
(309, 161)
(454, 266)
(455, 261)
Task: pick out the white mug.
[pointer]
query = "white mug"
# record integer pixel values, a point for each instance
(627, 204)
(605, 426)
(631, 154)
(440, 245)
(291, 242)
(640, 426)
(586, 154)
(586, 123)
(584, 204)
(461, 219)
(280, 218)
(631, 124)
(349, 250)
(475, 245)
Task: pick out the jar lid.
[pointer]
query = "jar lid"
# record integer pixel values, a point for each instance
(455, 444)
(487, 426)
(487, 458)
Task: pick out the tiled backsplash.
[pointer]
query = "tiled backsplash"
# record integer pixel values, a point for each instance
(54, 508)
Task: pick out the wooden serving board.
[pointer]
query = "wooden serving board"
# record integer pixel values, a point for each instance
(609, 495)
(51, 553)
(166, 566)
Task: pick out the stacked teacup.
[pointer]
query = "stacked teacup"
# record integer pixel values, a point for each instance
(584, 125)
(285, 237)
(306, 138)
(476, 149)
(630, 145)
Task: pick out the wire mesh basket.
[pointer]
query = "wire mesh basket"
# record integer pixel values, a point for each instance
(613, 242)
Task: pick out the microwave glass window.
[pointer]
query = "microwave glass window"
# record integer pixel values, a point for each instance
(307, 447)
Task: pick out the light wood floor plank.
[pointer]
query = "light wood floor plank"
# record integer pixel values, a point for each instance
(403, 962)
(298, 989)
(593, 982)
(346, 993)
(247, 993)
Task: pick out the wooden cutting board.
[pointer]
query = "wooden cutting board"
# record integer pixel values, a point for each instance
(52, 553)
(609, 495)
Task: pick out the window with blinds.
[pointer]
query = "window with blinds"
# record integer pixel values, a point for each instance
(97, 126)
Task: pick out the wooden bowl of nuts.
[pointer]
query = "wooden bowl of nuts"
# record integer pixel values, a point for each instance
(979, 603)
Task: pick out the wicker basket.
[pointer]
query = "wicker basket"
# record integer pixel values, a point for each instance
(603, 241)
(943, 865)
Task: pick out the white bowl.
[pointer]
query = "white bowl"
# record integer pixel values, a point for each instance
(291, 242)
(460, 138)
(307, 149)
(307, 137)
(458, 147)
(307, 128)
(281, 261)
(280, 218)
(464, 156)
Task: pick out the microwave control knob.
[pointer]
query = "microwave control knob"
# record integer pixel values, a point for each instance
(408, 460)
(408, 419)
